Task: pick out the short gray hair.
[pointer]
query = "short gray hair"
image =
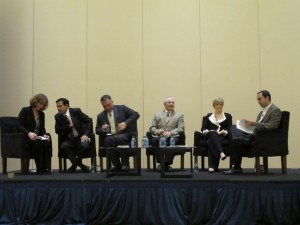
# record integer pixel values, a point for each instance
(218, 101)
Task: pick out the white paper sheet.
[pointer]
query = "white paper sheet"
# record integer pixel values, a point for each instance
(241, 125)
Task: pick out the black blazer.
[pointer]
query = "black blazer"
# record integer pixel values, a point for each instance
(122, 114)
(81, 122)
(225, 125)
(27, 121)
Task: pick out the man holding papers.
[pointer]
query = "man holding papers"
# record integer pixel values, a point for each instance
(243, 133)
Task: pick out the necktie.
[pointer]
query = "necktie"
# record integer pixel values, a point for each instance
(111, 120)
(71, 134)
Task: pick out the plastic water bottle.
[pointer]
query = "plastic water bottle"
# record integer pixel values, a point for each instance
(162, 142)
(196, 169)
(93, 168)
(172, 142)
(133, 142)
(145, 142)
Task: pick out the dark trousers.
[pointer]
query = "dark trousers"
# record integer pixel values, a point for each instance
(169, 156)
(114, 141)
(41, 152)
(74, 150)
(214, 143)
(239, 146)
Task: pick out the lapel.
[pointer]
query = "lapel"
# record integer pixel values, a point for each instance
(116, 114)
(267, 115)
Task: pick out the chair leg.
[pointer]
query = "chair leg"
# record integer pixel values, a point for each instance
(257, 165)
(26, 165)
(135, 162)
(65, 164)
(182, 162)
(148, 162)
(60, 165)
(202, 162)
(4, 165)
(230, 163)
(283, 164)
(94, 163)
(154, 162)
(266, 164)
(101, 164)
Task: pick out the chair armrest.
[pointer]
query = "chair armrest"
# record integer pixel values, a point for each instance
(198, 138)
(13, 145)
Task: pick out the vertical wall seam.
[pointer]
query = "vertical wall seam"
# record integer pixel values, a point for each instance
(143, 75)
(32, 82)
(86, 56)
(200, 61)
(259, 50)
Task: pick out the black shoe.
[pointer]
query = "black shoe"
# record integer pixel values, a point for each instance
(125, 168)
(115, 169)
(233, 171)
(84, 168)
(167, 168)
(72, 169)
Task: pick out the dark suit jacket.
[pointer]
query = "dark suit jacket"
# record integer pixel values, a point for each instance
(225, 124)
(27, 121)
(122, 114)
(81, 122)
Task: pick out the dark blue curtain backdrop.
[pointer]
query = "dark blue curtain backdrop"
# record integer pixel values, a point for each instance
(149, 202)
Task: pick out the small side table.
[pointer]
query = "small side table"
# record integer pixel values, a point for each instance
(135, 152)
(175, 149)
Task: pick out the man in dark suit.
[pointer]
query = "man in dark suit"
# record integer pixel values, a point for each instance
(75, 137)
(267, 119)
(117, 125)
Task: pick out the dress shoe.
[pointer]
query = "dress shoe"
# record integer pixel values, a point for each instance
(158, 167)
(115, 169)
(84, 168)
(125, 168)
(167, 168)
(211, 170)
(233, 171)
(223, 156)
(72, 169)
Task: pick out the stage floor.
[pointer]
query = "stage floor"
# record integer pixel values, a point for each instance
(248, 175)
(93, 199)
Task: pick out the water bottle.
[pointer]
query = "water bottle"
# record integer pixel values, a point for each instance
(172, 142)
(93, 168)
(162, 142)
(196, 169)
(145, 142)
(133, 142)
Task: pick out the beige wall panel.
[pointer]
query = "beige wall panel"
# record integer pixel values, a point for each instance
(171, 60)
(230, 57)
(115, 55)
(15, 60)
(60, 56)
(15, 55)
(280, 67)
